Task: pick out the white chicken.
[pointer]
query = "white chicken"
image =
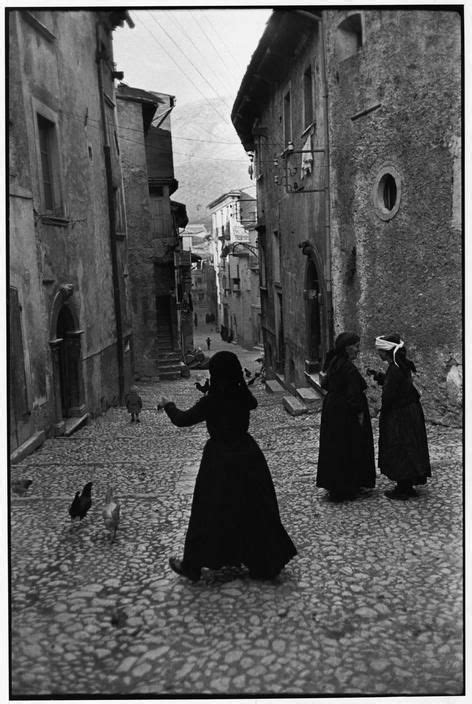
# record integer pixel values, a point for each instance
(111, 513)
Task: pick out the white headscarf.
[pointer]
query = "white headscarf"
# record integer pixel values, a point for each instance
(382, 344)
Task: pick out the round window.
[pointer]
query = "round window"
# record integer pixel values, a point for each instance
(387, 192)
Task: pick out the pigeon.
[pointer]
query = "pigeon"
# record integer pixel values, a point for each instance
(81, 503)
(21, 486)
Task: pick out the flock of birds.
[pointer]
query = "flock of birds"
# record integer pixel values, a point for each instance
(82, 503)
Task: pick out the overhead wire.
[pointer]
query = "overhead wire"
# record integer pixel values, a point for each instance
(192, 14)
(224, 117)
(206, 98)
(218, 78)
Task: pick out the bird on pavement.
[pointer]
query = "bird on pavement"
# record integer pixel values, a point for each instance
(203, 387)
(111, 513)
(21, 486)
(81, 503)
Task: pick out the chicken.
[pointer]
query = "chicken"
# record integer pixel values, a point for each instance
(251, 381)
(21, 486)
(203, 387)
(111, 513)
(81, 503)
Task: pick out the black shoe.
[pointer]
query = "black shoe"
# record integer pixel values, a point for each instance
(255, 574)
(191, 573)
(400, 494)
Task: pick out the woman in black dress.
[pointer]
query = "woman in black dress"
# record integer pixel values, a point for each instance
(346, 463)
(235, 517)
(403, 444)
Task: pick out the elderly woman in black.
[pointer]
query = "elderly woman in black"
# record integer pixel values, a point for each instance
(235, 517)
(346, 463)
(403, 445)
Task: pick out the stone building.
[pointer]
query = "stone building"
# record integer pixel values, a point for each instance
(237, 264)
(354, 121)
(69, 327)
(158, 274)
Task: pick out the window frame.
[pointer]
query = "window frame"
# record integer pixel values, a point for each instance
(58, 211)
(287, 116)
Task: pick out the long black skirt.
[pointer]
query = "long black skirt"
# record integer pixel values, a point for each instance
(403, 444)
(235, 516)
(346, 460)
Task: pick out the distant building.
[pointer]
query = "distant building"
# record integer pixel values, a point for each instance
(158, 275)
(354, 119)
(69, 323)
(235, 257)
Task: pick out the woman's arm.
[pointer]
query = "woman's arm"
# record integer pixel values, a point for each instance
(184, 419)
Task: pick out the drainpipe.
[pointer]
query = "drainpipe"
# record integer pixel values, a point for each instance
(111, 217)
(329, 302)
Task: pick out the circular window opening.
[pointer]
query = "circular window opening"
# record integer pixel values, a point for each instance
(387, 192)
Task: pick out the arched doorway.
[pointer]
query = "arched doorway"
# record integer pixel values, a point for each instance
(65, 346)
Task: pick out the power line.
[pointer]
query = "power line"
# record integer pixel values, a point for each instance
(223, 42)
(210, 40)
(178, 66)
(225, 118)
(223, 82)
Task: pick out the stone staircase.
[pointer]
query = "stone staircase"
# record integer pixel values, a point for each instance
(307, 399)
(168, 359)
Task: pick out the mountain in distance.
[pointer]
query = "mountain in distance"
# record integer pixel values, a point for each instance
(209, 159)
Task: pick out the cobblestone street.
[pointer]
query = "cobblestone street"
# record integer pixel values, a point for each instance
(371, 605)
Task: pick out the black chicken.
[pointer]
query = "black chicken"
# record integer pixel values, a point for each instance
(81, 503)
(203, 387)
(21, 486)
(251, 381)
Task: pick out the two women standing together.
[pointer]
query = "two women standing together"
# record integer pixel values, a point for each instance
(346, 464)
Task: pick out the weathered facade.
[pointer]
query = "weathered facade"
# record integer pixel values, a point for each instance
(236, 261)
(157, 286)
(354, 117)
(69, 327)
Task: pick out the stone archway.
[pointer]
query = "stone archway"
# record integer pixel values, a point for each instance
(65, 343)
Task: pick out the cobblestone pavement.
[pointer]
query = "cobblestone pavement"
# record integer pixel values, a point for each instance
(371, 605)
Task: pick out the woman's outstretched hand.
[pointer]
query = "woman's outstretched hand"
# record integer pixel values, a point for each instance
(162, 402)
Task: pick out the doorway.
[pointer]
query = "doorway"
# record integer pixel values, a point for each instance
(313, 316)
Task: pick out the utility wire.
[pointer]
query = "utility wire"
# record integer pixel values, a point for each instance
(211, 42)
(225, 118)
(207, 100)
(229, 52)
(221, 80)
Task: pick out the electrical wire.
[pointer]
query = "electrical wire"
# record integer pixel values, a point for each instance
(221, 80)
(225, 118)
(192, 14)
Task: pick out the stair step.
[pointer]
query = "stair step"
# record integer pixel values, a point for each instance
(273, 387)
(314, 380)
(310, 396)
(294, 406)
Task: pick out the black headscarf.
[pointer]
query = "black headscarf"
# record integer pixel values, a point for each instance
(226, 374)
(338, 352)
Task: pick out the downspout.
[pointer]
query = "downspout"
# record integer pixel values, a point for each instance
(111, 217)
(328, 274)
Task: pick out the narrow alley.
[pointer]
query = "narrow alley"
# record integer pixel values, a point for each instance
(371, 605)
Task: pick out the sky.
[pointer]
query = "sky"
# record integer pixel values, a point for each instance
(187, 52)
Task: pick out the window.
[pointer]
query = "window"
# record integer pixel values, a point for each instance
(276, 256)
(308, 96)
(49, 165)
(349, 36)
(287, 119)
(387, 192)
